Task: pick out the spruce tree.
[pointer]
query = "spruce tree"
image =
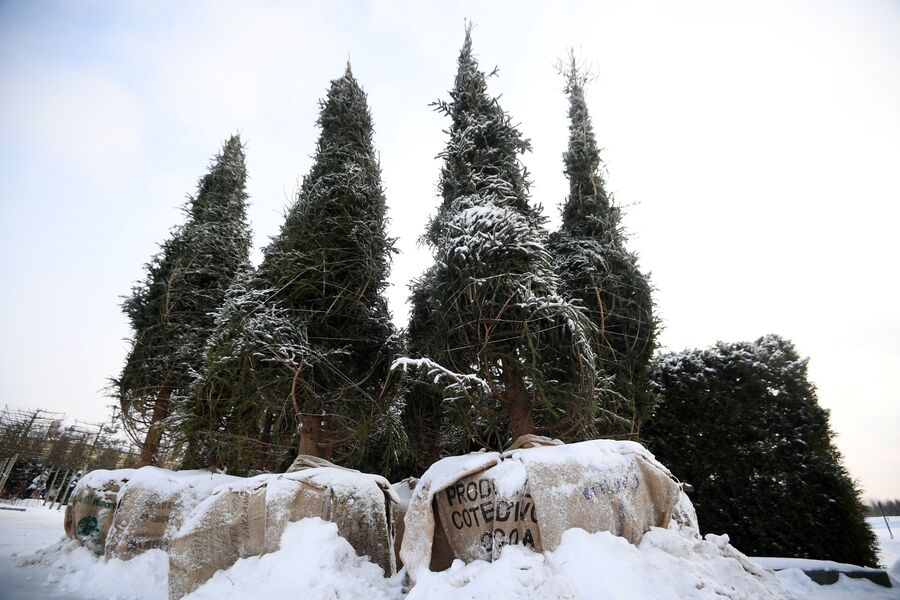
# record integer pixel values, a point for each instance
(597, 271)
(741, 423)
(241, 414)
(325, 271)
(488, 323)
(424, 415)
(171, 311)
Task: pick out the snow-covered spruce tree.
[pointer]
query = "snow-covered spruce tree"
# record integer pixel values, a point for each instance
(426, 420)
(488, 322)
(327, 270)
(171, 311)
(598, 271)
(741, 423)
(241, 415)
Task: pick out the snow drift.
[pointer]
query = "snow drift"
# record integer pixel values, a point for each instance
(665, 565)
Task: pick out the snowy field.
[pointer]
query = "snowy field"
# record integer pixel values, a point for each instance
(24, 533)
(890, 548)
(315, 563)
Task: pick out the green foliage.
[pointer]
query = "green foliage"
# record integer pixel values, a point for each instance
(742, 424)
(236, 418)
(21, 478)
(171, 311)
(481, 160)
(599, 273)
(319, 294)
(488, 316)
(589, 211)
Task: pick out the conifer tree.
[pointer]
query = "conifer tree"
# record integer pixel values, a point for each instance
(488, 322)
(424, 413)
(171, 311)
(325, 271)
(597, 271)
(241, 414)
(741, 423)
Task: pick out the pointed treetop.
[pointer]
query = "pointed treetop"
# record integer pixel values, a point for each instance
(470, 85)
(589, 210)
(577, 77)
(466, 51)
(481, 159)
(344, 118)
(220, 192)
(233, 146)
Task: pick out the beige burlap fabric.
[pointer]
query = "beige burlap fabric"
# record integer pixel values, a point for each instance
(152, 506)
(92, 506)
(470, 507)
(248, 518)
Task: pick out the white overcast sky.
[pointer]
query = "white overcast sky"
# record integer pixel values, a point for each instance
(756, 146)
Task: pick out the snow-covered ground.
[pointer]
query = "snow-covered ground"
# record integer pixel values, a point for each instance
(23, 533)
(890, 548)
(316, 563)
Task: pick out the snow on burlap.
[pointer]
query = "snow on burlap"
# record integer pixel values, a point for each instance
(152, 506)
(92, 506)
(684, 515)
(306, 461)
(404, 490)
(247, 518)
(530, 496)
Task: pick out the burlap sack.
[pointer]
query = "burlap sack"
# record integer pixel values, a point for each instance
(482, 513)
(470, 507)
(361, 505)
(248, 518)
(684, 514)
(229, 525)
(404, 490)
(152, 506)
(306, 461)
(530, 440)
(69, 520)
(92, 506)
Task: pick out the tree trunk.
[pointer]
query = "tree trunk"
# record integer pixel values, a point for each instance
(47, 491)
(151, 442)
(423, 418)
(432, 446)
(517, 400)
(265, 438)
(325, 447)
(311, 435)
(7, 469)
(65, 482)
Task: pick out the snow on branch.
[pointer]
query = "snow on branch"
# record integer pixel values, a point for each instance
(436, 372)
